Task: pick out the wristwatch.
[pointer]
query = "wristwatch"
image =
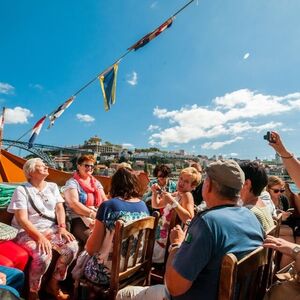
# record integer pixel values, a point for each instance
(296, 251)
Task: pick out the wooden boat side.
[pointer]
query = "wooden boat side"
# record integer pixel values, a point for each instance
(11, 171)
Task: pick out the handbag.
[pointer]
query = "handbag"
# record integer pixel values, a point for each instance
(7, 232)
(36, 209)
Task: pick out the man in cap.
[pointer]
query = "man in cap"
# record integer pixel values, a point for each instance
(195, 257)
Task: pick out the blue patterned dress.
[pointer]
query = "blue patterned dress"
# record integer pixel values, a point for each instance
(98, 267)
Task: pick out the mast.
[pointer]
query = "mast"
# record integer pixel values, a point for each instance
(1, 127)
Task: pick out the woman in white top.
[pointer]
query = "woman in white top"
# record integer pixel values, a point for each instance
(36, 205)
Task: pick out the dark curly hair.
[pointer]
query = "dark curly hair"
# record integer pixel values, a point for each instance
(125, 184)
(163, 169)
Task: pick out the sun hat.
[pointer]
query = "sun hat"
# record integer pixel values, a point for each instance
(226, 172)
(7, 232)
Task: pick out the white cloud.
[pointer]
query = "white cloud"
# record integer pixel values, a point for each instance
(233, 154)
(127, 146)
(6, 88)
(133, 78)
(287, 129)
(246, 56)
(234, 113)
(36, 86)
(218, 145)
(85, 118)
(17, 115)
(153, 128)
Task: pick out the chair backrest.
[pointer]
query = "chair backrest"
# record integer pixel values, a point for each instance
(278, 221)
(246, 278)
(132, 253)
(272, 254)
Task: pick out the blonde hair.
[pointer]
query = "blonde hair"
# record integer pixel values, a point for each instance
(30, 166)
(274, 180)
(196, 176)
(124, 165)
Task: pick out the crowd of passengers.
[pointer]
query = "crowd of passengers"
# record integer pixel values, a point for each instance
(229, 209)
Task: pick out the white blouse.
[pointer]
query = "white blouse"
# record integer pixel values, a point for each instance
(44, 200)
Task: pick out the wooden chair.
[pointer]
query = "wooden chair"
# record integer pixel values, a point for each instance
(137, 238)
(246, 278)
(158, 270)
(278, 222)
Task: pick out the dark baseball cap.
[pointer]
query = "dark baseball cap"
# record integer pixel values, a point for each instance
(226, 172)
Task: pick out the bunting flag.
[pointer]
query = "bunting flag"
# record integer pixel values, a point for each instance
(108, 82)
(150, 36)
(59, 111)
(35, 131)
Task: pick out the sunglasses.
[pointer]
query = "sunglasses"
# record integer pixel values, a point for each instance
(89, 166)
(276, 191)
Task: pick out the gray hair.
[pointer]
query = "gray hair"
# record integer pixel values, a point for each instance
(30, 166)
(226, 192)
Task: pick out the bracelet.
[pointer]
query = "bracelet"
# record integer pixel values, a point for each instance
(175, 204)
(172, 246)
(286, 157)
(61, 225)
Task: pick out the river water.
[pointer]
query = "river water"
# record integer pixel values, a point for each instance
(294, 188)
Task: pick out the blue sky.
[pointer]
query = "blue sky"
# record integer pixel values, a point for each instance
(213, 83)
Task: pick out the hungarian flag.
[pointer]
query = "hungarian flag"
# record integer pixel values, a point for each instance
(108, 82)
(150, 36)
(59, 111)
(36, 130)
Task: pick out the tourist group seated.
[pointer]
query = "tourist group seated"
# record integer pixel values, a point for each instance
(223, 218)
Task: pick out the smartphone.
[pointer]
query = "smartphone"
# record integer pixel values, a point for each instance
(268, 137)
(291, 210)
(159, 191)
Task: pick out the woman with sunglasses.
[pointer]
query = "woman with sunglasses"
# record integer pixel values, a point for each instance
(276, 189)
(161, 174)
(83, 194)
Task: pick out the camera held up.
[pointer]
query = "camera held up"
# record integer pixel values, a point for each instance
(269, 137)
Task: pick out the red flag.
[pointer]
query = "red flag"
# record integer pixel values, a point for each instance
(36, 130)
(59, 111)
(150, 36)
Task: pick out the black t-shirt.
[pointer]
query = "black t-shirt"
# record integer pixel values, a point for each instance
(197, 194)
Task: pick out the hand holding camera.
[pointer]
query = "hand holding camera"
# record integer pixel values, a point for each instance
(269, 137)
(275, 142)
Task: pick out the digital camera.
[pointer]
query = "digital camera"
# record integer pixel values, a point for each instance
(268, 137)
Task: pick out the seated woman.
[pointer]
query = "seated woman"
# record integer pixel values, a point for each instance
(35, 206)
(276, 189)
(182, 202)
(256, 180)
(83, 194)
(162, 179)
(11, 279)
(125, 205)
